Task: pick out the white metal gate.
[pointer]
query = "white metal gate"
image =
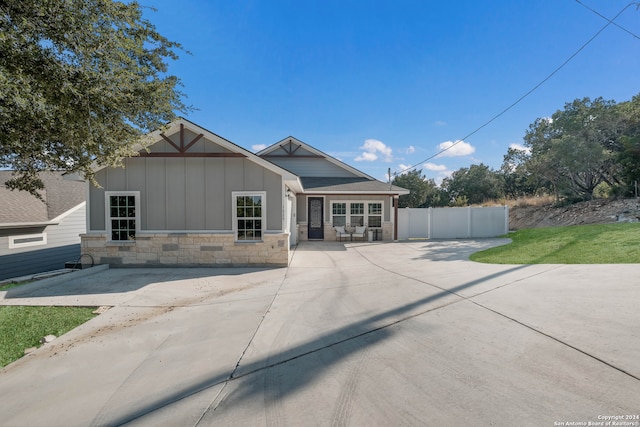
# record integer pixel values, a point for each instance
(453, 223)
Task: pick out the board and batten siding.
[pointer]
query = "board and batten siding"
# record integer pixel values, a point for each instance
(179, 194)
(63, 245)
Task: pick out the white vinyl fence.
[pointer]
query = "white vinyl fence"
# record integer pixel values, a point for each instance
(452, 223)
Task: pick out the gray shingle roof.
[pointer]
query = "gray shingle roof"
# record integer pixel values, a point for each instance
(348, 185)
(20, 207)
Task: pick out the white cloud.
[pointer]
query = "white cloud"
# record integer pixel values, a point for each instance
(455, 149)
(373, 147)
(442, 171)
(366, 157)
(520, 147)
(258, 147)
(434, 167)
(411, 149)
(440, 123)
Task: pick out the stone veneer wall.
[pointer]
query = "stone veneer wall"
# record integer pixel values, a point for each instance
(188, 249)
(387, 231)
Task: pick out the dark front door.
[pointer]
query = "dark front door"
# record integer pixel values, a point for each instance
(315, 213)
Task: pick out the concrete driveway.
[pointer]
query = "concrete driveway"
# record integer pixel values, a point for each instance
(359, 334)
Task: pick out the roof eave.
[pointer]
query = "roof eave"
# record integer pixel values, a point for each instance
(27, 224)
(294, 184)
(377, 193)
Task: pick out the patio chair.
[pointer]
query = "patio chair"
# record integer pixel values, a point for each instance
(341, 232)
(360, 231)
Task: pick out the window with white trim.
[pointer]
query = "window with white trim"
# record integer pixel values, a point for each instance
(25, 240)
(356, 213)
(249, 215)
(374, 215)
(339, 214)
(122, 215)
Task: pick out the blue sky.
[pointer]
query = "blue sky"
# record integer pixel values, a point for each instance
(387, 84)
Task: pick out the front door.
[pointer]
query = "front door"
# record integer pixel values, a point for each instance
(316, 218)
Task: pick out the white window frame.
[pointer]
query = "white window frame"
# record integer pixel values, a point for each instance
(17, 245)
(234, 210)
(366, 214)
(107, 212)
(345, 214)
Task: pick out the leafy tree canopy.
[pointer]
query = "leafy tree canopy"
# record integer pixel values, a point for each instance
(628, 148)
(423, 192)
(517, 180)
(574, 149)
(80, 82)
(473, 185)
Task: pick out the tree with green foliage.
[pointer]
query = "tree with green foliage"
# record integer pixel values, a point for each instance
(517, 180)
(574, 149)
(80, 82)
(473, 185)
(628, 147)
(423, 191)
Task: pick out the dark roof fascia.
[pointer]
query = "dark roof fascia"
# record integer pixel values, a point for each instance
(346, 186)
(360, 193)
(27, 224)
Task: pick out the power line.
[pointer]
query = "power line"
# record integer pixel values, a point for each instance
(609, 22)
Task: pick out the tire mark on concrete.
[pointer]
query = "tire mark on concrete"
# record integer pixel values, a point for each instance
(345, 402)
(272, 390)
(272, 398)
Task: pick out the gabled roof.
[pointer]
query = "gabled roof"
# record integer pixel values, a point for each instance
(21, 209)
(182, 149)
(354, 182)
(290, 145)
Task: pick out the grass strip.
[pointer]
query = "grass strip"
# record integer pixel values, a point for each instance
(577, 244)
(23, 327)
(10, 285)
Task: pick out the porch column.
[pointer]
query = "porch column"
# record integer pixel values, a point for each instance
(395, 219)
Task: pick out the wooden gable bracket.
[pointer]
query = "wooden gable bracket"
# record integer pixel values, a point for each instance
(182, 150)
(290, 150)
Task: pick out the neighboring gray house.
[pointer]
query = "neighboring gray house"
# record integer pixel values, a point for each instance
(194, 198)
(37, 236)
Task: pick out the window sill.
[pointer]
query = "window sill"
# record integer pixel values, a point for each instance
(247, 242)
(121, 243)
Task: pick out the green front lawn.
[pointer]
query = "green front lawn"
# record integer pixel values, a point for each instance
(23, 327)
(578, 244)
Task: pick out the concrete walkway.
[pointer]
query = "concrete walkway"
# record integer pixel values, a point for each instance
(360, 334)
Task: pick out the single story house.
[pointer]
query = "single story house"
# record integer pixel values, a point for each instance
(40, 235)
(194, 198)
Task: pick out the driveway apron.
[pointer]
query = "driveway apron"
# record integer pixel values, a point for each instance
(408, 333)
